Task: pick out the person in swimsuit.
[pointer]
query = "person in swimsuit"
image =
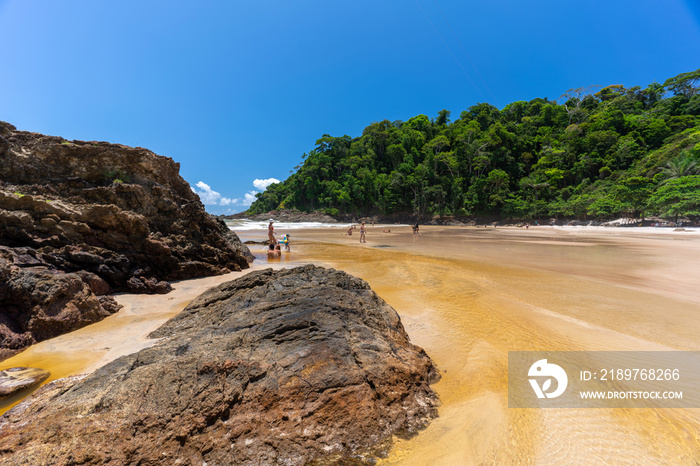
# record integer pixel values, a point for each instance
(271, 233)
(362, 233)
(274, 252)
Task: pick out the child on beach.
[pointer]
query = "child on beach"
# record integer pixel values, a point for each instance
(285, 241)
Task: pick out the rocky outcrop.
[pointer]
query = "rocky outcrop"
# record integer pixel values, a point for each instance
(38, 302)
(286, 215)
(286, 367)
(120, 217)
(234, 241)
(16, 379)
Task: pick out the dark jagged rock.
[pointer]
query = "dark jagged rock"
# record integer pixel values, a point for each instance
(285, 367)
(37, 303)
(120, 217)
(235, 241)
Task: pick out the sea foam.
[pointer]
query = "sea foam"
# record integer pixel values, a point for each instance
(262, 225)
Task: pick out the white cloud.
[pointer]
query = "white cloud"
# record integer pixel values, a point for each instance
(262, 184)
(211, 197)
(249, 198)
(206, 194)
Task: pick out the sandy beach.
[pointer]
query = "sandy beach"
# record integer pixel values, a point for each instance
(468, 296)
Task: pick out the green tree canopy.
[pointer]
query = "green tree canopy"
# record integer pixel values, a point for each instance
(598, 151)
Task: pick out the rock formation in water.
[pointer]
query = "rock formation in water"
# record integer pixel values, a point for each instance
(285, 367)
(235, 241)
(17, 379)
(84, 219)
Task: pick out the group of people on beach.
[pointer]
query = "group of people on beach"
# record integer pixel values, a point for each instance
(362, 232)
(275, 248)
(363, 238)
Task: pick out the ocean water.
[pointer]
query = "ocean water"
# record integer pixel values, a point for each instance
(242, 225)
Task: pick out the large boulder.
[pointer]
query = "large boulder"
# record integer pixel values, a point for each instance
(285, 367)
(92, 204)
(120, 216)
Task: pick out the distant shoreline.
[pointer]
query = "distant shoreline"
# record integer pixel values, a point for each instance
(293, 216)
(250, 224)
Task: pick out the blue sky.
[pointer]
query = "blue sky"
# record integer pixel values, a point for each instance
(238, 91)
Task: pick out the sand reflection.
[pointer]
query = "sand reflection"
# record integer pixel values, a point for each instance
(496, 291)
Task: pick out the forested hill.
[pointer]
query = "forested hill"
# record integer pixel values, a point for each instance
(596, 152)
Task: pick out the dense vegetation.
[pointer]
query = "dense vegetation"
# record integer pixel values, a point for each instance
(597, 152)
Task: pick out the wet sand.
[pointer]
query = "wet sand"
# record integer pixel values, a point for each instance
(468, 296)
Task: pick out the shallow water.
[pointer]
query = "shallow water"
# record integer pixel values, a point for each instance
(499, 293)
(468, 296)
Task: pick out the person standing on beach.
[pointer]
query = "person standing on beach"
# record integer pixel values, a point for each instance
(362, 233)
(271, 233)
